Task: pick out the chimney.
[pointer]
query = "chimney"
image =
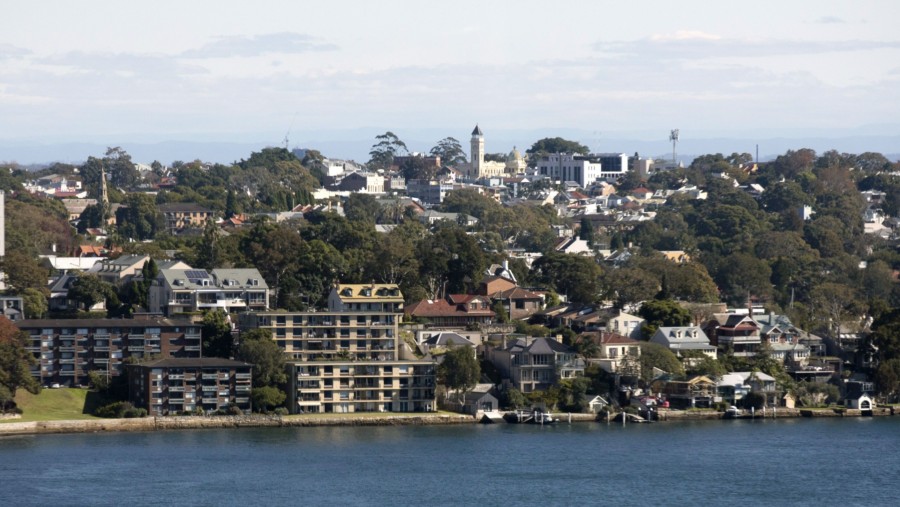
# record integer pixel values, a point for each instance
(505, 264)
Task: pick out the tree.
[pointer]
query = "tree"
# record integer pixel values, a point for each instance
(122, 171)
(654, 355)
(383, 152)
(15, 364)
(576, 276)
(35, 302)
(258, 348)
(459, 370)
(139, 217)
(514, 398)
(555, 145)
(23, 271)
(216, 333)
(663, 313)
(89, 289)
(361, 208)
(450, 151)
(266, 398)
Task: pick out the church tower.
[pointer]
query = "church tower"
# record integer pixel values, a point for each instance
(477, 153)
(104, 196)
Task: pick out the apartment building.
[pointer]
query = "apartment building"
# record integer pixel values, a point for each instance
(350, 358)
(177, 291)
(177, 385)
(67, 349)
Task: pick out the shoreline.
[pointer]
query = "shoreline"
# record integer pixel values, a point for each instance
(145, 424)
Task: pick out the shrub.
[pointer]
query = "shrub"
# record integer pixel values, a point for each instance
(114, 410)
(233, 410)
(281, 411)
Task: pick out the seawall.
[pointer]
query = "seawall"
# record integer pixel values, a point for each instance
(217, 422)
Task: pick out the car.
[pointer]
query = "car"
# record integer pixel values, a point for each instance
(54, 386)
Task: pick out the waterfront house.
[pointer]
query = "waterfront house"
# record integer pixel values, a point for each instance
(177, 291)
(535, 364)
(735, 332)
(177, 385)
(696, 392)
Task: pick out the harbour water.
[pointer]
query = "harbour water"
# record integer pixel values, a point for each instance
(848, 461)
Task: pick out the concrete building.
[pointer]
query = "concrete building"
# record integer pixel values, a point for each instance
(570, 167)
(176, 291)
(67, 349)
(184, 215)
(350, 358)
(178, 385)
(428, 191)
(363, 182)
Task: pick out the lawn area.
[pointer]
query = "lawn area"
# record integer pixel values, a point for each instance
(366, 415)
(55, 405)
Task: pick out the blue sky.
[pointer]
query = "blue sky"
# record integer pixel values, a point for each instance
(250, 71)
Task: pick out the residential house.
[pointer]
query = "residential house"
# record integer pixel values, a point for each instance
(626, 324)
(696, 392)
(70, 348)
(614, 352)
(13, 307)
(457, 310)
(736, 332)
(534, 364)
(519, 303)
(368, 183)
(763, 384)
(595, 403)
(119, 270)
(685, 342)
(173, 386)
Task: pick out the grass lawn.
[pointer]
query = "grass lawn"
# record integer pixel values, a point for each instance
(55, 405)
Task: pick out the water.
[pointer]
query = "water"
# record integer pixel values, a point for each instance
(785, 462)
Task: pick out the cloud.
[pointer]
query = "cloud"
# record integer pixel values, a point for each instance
(685, 35)
(10, 51)
(828, 20)
(247, 46)
(121, 64)
(699, 45)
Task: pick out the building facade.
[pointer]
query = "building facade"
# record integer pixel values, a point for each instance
(350, 359)
(67, 349)
(176, 291)
(570, 167)
(184, 385)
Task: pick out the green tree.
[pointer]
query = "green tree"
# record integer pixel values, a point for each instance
(216, 332)
(266, 398)
(15, 364)
(139, 217)
(35, 302)
(258, 348)
(663, 313)
(122, 171)
(654, 355)
(387, 147)
(555, 145)
(513, 398)
(576, 276)
(450, 151)
(88, 290)
(23, 271)
(361, 208)
(459, 370)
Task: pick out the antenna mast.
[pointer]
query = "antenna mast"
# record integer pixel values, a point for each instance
(673, 136)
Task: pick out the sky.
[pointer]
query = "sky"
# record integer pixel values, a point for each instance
(238, 71)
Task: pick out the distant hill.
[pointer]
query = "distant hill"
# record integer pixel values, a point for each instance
(355, 145)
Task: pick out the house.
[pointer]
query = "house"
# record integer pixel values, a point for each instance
(182, 385)
(176, 291)
(626, 324)
(595, 403)
(457, 310)
(480, 399)
(736, 332)
(861, 402)
(573, 246)
(684, 341)
(13, 307)
(761, 383)
(696, 392)
(731, 388)
(431, 217)
(446, 340)
(70, 348)
(519, 303)
(535, 364)
(119, 270)
(613, 350)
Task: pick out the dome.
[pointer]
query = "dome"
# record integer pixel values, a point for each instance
(514, 155)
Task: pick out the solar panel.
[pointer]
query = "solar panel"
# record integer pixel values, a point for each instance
(196, 274)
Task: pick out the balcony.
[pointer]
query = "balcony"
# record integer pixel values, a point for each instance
(243, 376)
(207, 389)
